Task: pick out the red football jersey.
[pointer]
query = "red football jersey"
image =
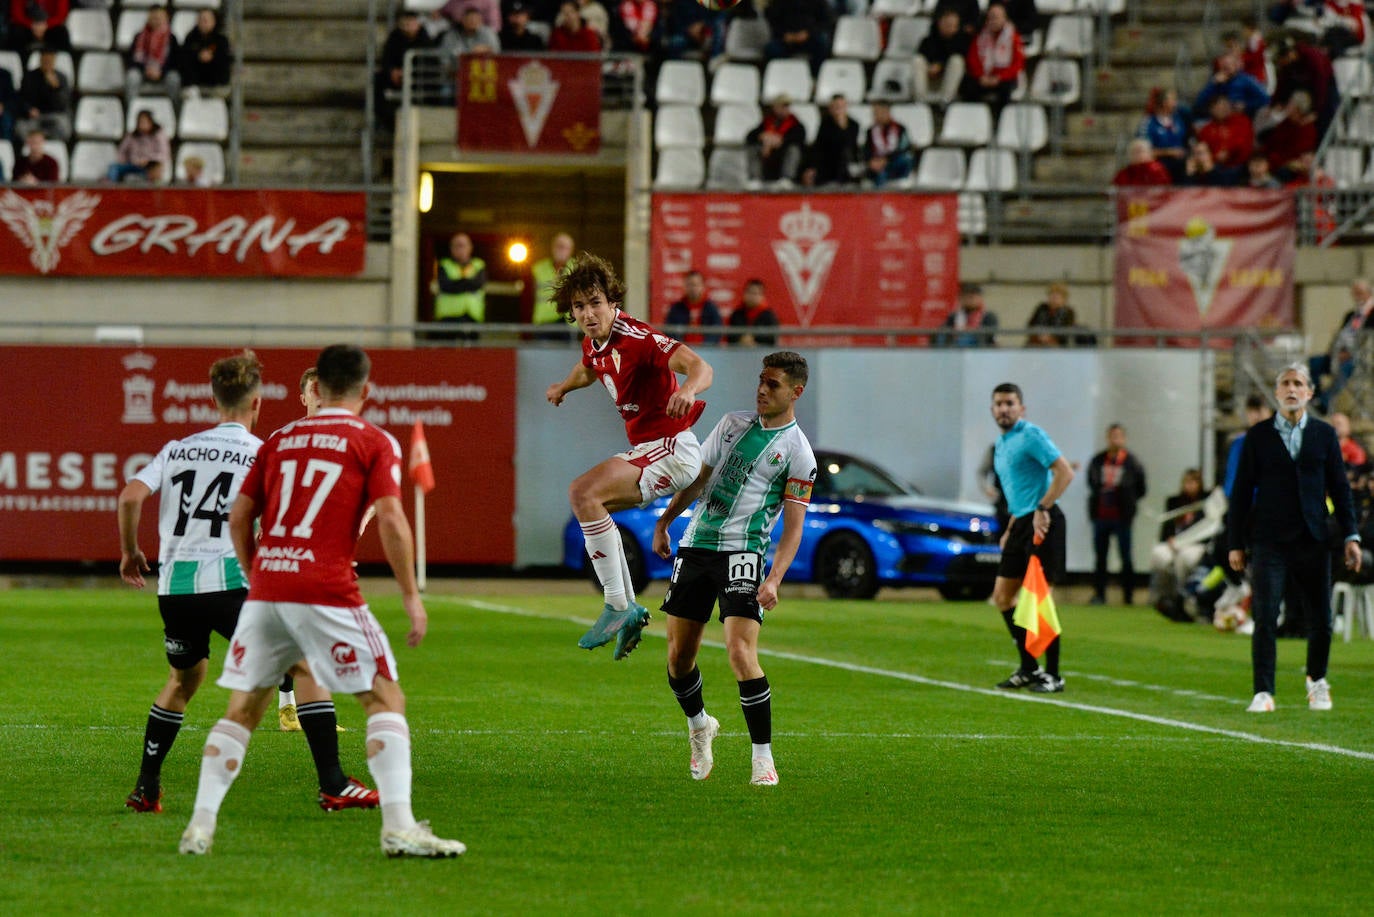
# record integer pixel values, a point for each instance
(313, 481)
(633, 365)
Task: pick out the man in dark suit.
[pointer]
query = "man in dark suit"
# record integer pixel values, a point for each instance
(1289, 466)
(1116, 482)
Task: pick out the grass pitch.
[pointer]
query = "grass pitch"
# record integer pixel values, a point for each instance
(908, 785)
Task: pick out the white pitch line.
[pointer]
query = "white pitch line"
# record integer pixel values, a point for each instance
(1128, 683)
(974, 689)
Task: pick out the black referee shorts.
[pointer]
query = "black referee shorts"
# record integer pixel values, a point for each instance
(187, 621)
(1016, 554)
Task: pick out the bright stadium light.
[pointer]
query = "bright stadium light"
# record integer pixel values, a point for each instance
(426, 192)
(518, 252)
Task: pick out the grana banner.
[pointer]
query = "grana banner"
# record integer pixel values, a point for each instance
(1199, 258)
(517, 104)
(876, 260)
(61, 469)
(172, 232)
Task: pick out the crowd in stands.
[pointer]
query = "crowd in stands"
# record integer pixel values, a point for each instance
(97, 91)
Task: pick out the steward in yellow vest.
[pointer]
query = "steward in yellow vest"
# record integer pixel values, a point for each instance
(462, 281)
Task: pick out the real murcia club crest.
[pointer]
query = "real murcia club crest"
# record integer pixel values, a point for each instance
(138, 388)
(805, 256)
(44, 227)
(533, 90)
(1202, 258)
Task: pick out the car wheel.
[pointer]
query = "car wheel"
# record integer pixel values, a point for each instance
(634, 559)
(966, 592)
(844, 566)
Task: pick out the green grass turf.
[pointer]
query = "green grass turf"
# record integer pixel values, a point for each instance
(566, 773)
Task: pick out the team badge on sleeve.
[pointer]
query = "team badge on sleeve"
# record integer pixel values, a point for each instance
(799, 489)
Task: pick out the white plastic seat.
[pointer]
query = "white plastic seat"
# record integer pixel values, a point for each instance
(423, 6)
(90, 30)
(891, 9)
(941, 167)
(966, 124)
(919, 122)
(202, 4)
(680, 168)
(99, 118)
(183, 22)
(862, 115)
(735, 84)
(1057, 7)
(1360, 126)
(1352, 76)
(211, 153)
(204, 119)
(840, 78)
(681, 82)
(857, 37)
(973, 214)
(1352, 609)
(746, 38)
(6, 162)
(733, 124)
(786, 76)
(10, 60)
(1113, 7)
(1023, 126)
(161, 109)
(991, 169)
(100, 72)
(65, 65)
(142, 4)
(91, 159)
(892, 81)
(727, 168)
(129, 24)
(905, 35)
(1345, 164)
(1056, 81)
(810, 117)
(1069, 36)
(678, 126)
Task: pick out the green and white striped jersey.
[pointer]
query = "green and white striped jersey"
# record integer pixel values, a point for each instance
(202, 474)
(753, 471)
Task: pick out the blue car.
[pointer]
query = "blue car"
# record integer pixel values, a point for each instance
(864, 530)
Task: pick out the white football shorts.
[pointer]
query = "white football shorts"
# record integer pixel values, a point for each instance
(346, 647)
(665, 465)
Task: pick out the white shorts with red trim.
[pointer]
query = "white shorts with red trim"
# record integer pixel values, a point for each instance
(346, 647)
(665, 465)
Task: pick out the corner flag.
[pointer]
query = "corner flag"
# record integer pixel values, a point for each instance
(1035, 609)
(421, 471)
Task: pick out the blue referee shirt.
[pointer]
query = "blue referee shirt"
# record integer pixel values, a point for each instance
(1023, 456)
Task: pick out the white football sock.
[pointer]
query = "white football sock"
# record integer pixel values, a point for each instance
(625, 576)
(223, 759)
(606, 553)
(764, 751)
(286, 699)
(390, 767)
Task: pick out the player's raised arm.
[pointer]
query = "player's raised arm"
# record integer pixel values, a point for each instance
(689, 363)
(399, 547)
(580, 377)
(132, 563)
(241, 516)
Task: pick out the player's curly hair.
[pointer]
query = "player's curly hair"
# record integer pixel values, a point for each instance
(589, 274)
(235, 380)
(792, 364)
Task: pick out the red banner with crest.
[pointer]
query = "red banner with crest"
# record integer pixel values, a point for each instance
(876, 260)
(521, 104)
(62, 465)
(181, 232)
(1199, 258)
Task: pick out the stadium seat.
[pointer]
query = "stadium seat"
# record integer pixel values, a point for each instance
(735, 84)
(891, 81)
(746, 38)
(65, 65)
(891, 9)
(905, 36)
(1069, 36)
(1352, 76)
(7, 161)
(966, 124)
(681, 82)
(10, 60)
(861, 115)
(127, 27)
(973, 214)
(204, 119)
(1056, 81)
(183, 21)
(991, 169)
(919, 122)
(91, 159)
(100, 72)
(786, 76)
(733, 124)
(161, 109)
(99, 118)
(680, 168)
(198, 4)
(1113, 7)
(423, 6)
(1345, 165)
(90, 30)
(840, 78)
(142, 4)
(727, 168)
(1023, 126)
(212, 153)
(1057, 7)
(58, 151)
(1359, 126)
(678, 126)
(857, 37)
(810, 117)
(941, 167)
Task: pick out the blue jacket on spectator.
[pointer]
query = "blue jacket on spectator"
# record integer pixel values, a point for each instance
(1167, 137)
(1244, 91)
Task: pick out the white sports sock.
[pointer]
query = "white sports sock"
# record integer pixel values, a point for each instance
(390, 767)
(764, 751)
(699, 721)
(223, 759)
(607, 555)
(286, 699)
(625, 576)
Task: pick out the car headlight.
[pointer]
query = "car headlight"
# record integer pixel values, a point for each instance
(905, 527)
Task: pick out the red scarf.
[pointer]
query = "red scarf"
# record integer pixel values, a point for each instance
(885, 138)
(995, 51)
(152, 46)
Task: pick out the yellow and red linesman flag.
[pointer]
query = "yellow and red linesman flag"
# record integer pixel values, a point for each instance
(421, 471)
(1035, 609)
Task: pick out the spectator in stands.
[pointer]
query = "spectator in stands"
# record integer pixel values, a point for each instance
(1171, 561)
(1342, 24)
(1352, 453)
(753, 312)
(940, 60)
(516, 36)
(35, 166)
(887, 148)
(1201, 169)
(39, 23)
(152, 58)
(206, 59)
(408, 35)
(1141, 167)
(1024, 17)
(596, 18)
(1338, 363)
(1167, 129)
(835, 149)
(995, 62)
(800, 27)
(452, 13)
(9, 102)
(969, 325)
(691, 30)
(570, 33)
(45, 100)
(1249, 44)
(1241, 89)
(460, 287)
(776, 145)
(1230, 136)
(545, 273)
(635, 26)
(143, 146)
(1285, 143)
(1303, 66)
(196, 175)
(970, 13)
(695, 310)
(1049, 317)
(1259, 174)
(471, 36)
(1317, 209)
